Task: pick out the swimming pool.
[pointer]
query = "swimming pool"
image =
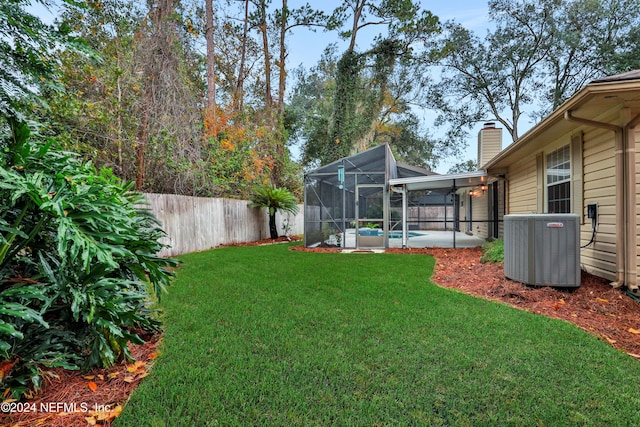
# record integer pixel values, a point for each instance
(392, 234)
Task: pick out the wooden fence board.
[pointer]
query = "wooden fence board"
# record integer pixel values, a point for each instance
(200, 223)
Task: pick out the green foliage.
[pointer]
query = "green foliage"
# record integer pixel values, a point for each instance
(493, 251)
(29, 52)
(364, 97)
(377, 111)
(274, 199)
(468, 166)
(538, 53)
(77, 258)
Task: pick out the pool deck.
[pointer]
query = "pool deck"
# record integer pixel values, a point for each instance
(427, 239)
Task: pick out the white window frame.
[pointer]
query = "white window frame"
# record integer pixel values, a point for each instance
(559, 161)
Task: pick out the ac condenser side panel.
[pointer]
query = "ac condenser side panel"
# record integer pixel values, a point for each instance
(517, 262)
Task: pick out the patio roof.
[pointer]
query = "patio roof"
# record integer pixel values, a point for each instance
(434, 182)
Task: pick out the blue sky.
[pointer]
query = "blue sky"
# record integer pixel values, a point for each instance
(306, 47)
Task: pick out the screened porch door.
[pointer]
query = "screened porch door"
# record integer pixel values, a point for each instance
(370, 216)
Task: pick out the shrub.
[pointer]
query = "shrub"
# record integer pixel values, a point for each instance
(77, 258)
(493, 252)
(274, 199)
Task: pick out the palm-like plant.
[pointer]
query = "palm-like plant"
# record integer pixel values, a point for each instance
(274, 199)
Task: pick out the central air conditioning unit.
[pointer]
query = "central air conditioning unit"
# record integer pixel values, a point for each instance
(542, 249)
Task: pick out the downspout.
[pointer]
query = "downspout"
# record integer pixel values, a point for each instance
(621, 193)
(632, 282)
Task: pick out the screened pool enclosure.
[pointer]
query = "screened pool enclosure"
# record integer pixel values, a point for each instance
(368, 200)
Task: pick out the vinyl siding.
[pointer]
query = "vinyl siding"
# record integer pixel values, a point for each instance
(489, 144)
(598, 169)
(522, 186)
(599, 187)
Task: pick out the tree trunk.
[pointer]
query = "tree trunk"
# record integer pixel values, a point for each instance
(211, 57)
(273, 229)
(238, 98)
(268, 99)
(282, 82)
(357, 13)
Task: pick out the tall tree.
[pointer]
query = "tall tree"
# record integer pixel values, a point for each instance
(587, 37)
(313, 100)
(406, 25)
(538, 55)
(211, 55)
(138, 110)
(287, 20)
(238, 98)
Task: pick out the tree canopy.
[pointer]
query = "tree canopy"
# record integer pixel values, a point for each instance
(538, 54)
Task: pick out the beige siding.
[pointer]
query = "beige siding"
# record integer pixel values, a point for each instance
(489, 144)
(522, 186)
(599, 187)
(480, 213)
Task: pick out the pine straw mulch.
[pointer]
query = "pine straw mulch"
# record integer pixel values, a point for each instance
(73, 398)
(596, 307)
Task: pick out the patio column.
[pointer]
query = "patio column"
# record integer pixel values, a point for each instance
(405, 208)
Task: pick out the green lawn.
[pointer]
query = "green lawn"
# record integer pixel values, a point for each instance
(267, 336)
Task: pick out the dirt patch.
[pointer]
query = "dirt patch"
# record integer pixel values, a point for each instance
(72, 398)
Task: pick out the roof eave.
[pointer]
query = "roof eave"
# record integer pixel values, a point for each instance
(579, 99)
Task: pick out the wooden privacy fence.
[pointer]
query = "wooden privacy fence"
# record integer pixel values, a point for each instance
(199, 223)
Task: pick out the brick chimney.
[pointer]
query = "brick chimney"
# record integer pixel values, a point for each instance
(489, 143)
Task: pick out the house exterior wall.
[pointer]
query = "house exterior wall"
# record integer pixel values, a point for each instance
(480, 213)
(522, 176)
(599, 187)
(527, 193)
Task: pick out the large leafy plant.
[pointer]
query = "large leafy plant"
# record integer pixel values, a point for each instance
(78, 263)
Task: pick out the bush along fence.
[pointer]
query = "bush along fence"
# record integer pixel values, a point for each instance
(200, 223)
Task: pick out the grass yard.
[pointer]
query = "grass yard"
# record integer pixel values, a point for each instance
(268, 336)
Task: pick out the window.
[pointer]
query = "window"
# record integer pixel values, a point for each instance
(559, 181)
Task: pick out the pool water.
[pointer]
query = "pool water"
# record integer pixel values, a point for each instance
(392, 234)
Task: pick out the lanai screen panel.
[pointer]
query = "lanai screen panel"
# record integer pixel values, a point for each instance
(330, 194)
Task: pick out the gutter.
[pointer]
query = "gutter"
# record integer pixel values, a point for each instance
(625, 193)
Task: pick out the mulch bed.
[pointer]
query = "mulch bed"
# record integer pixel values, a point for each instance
(73, 398)
(609, 314)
